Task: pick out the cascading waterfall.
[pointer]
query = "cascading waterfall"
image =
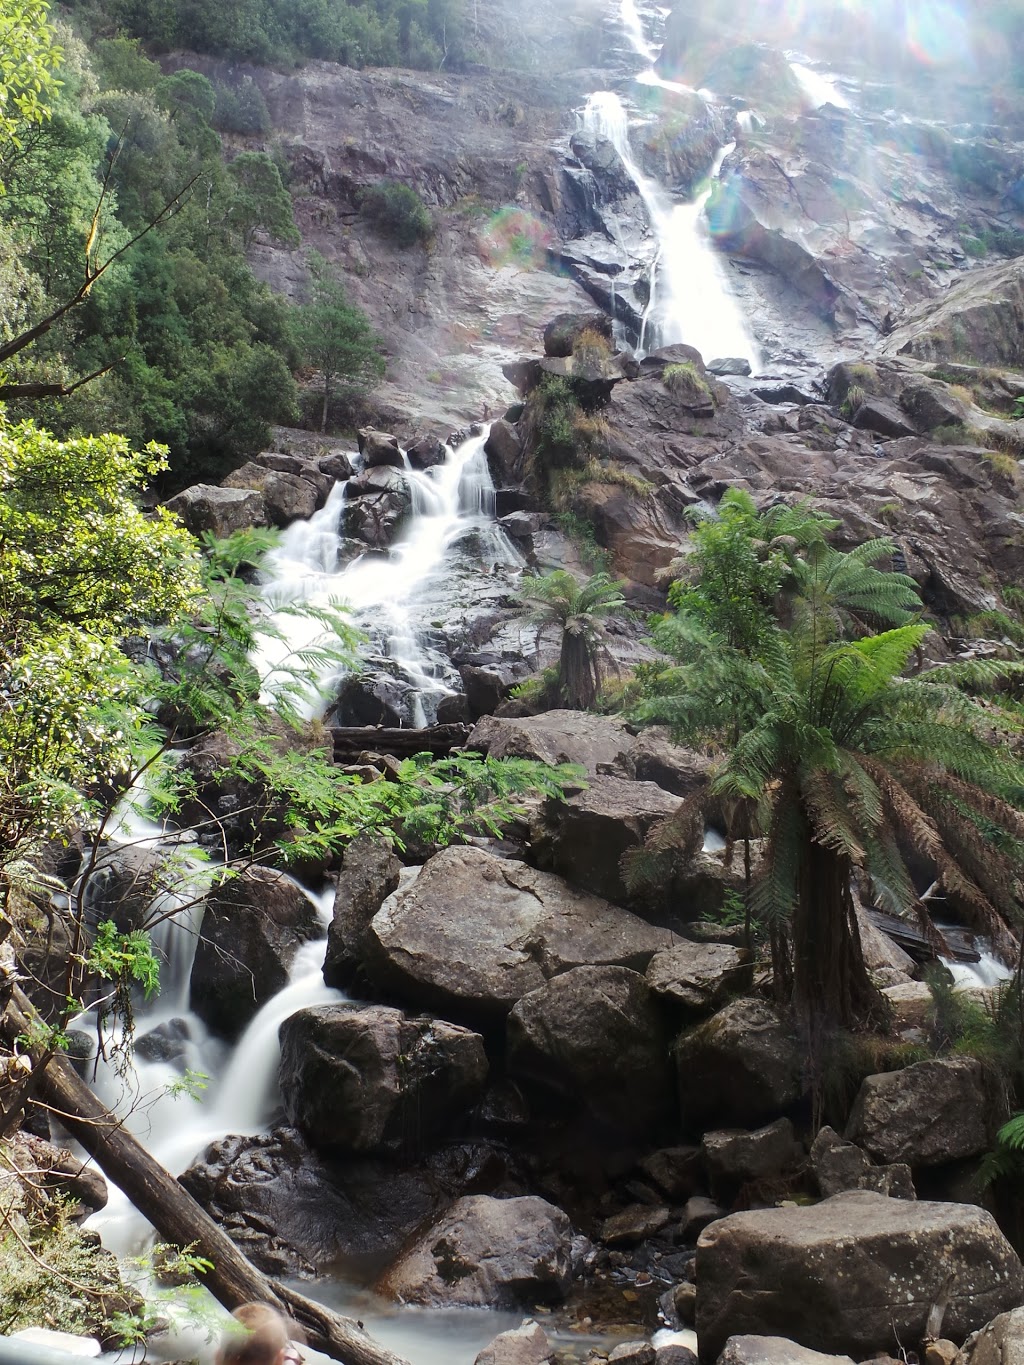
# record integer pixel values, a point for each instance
(448, 502)
(690, 299)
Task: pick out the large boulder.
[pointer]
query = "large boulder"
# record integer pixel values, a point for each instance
(378, 503)
(369, 873)
(287, 497)
(925, 1115)
(221, 511)
(595, 1038)
(486, 1253)
(741, 1066)
(364, 1078)
(378, 448)
(751, 1350)
(700, 977)
(554, 737)
(252, 926)
(735, 1156)
(476, 933)
(526, 1344)
(586, 836)
(294, 1212)
(858, 1272)
(504, 451)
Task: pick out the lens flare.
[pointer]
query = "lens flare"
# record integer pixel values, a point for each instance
(514, 236)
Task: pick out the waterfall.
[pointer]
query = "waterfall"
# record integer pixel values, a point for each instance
(382, 591)
(818, 89)
(690, 298)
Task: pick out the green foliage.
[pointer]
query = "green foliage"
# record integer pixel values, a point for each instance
(29, 56)
(259, 200)
(578, 612)
(685, 381)
(241, 109)
(552, 412)
(336, 338)
(844, 760)
(398, 211)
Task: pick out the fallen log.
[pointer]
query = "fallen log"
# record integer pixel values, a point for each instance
(402, 742)
(176, 1215)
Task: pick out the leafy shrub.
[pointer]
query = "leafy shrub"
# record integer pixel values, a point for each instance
(241, 109)
(686, 382)
(398, 211)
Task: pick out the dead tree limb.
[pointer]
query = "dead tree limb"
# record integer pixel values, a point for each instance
(176, 1215)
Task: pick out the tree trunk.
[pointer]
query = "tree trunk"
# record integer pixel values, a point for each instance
(175, 1214)
(576, 678)
(327, 399)
(831, 986)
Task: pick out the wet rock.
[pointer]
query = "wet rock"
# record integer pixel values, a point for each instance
(526, 1344)
(674, 1354)
(735, 1157)
(476, 933)
(684, 1302)
(378, 448)
(253, 924)
(554, 737)
(594, 1037)
(453, 710)
(369, 874)
(742, 1066)
(752, 1350)
(294, 1212)
(364, 1078)
(736, 365)
(221, 511)
(999, 1342)
(700, 976)
(925, 1115)
(635, 1224)
(427, 452)
(377, 506)
(168, 1042)
(857, 1272)
(504, 451)
(374, 698)
(633, 1353)
(931, 405)
(488, 685)
(287, 497)
(484, 1252)
(838, 1165)
(980, 317)
(122, 884)
(585, 837)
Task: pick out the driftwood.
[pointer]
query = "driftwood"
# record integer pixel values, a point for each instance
(439, 740)
(176, 1215)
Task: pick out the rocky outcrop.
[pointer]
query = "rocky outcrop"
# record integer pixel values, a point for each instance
(252, 926)
(379, 448)
(594, 1038)
(476, 933)
(221, 511)
(980, 321)
(740, 1066)
(365, 1078)
(287, 497)
(926, 1115)
(369, 873)
(858, 1272)
(484, 1252)
(378, 503)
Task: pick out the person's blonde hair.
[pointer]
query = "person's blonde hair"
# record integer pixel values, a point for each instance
(260, 1338)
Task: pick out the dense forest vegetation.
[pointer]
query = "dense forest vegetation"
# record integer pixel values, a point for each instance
(123, 196)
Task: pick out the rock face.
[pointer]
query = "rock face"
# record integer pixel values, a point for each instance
(858, 1272)
(251, 929)
(476, 933)
(369, 873)
(740, 1066)
(595, 1037)
(981, 319)
(926, 1115)
(485, 1252)
(364, 1078)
